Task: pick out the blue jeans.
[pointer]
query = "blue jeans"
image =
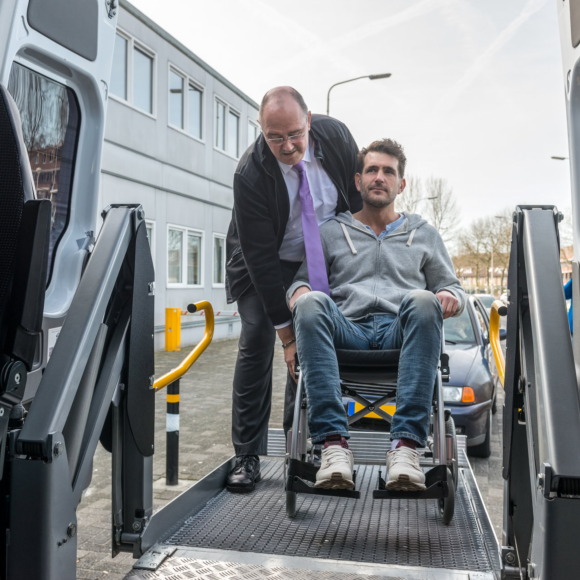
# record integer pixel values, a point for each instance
(321, 328)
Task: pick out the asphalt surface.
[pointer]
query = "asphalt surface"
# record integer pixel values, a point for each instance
(204, 444)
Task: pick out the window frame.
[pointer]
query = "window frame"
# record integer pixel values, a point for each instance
(228, 108)
(256, 126)
(186, 230)
(187, 80)
(72, 90)
(213, 283)
(132, 44)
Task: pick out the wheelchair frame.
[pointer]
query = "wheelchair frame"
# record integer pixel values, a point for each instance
(441, 480)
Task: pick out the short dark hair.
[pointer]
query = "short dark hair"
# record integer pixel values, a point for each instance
(388, 146)
(278, 92)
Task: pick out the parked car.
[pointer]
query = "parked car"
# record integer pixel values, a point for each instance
(471, 391)
(487, 300)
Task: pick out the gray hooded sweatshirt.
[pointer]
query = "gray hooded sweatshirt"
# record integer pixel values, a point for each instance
(370, 276)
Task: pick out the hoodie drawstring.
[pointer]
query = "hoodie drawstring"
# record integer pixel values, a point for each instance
(411, 238)
(349, 241)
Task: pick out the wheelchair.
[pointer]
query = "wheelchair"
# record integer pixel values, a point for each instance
(373, 373)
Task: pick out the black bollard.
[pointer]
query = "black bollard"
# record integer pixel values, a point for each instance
(172, 452)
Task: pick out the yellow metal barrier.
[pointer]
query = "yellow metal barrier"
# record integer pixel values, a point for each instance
(172, 329)
(498, 308)
(179, 371)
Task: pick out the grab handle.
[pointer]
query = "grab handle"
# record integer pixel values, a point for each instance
(185, 365)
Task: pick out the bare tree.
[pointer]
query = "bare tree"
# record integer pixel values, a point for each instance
(566, 229)
(502, 239)
(410, 200)
(442, 209)
(473, 246)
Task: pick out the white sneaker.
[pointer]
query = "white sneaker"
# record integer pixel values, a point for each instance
(337, 464)
(403, 470)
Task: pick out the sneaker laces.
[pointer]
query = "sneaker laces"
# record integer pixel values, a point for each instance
(335, 453)
(404, 455)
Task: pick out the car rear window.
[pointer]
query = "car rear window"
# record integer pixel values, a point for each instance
(460, 329)
(487, 301)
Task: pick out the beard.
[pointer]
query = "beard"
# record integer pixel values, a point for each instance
(376, 201)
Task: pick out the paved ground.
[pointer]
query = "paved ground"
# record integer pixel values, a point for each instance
(205, 443)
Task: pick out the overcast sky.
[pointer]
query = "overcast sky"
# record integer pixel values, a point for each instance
(476, 94)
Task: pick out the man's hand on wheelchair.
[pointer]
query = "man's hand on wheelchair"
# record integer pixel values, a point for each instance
(448, 303)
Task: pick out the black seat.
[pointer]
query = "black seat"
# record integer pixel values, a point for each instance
(368, 358)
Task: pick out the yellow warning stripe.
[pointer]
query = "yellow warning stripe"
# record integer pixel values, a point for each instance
(173, 398)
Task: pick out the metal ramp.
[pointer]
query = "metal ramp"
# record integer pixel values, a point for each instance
(250, 536)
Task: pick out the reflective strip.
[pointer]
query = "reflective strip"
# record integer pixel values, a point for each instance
(173, 398)
(172, 422)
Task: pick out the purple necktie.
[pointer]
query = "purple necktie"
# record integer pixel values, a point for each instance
(312, 244)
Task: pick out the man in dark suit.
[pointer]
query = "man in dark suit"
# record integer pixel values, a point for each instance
(296, 175)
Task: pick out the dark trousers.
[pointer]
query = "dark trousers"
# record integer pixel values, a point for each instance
(252, 396)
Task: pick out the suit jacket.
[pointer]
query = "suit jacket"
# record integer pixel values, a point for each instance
(262, 207)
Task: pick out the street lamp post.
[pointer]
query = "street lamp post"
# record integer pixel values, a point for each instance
(371, 77)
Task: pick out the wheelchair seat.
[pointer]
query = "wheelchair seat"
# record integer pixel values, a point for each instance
(368, 358)
(377, 367)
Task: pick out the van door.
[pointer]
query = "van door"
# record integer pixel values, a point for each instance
(55, 60)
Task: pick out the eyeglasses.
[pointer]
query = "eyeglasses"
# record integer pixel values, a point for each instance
(290, 138)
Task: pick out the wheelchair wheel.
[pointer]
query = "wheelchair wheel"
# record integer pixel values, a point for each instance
(291, 503)
(450, 430)
(447, 504)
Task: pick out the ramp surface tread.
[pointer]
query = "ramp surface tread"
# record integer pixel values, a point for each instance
(401, 532)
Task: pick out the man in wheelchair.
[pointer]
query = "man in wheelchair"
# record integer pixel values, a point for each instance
(391, 284)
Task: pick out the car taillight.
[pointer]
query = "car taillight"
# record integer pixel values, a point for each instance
(468, 395)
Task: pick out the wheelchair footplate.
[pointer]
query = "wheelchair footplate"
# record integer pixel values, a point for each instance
(301, 477)
(435, 483)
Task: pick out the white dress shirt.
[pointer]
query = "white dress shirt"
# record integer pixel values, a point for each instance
(324, 198)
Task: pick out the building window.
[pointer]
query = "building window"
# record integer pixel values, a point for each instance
(253, 132)
(175, 99)
(220, 125)
(219, 260)
(142, 81)
(174, 256)
(233, 133)
(51, 156)
(119, 71)
(185, 104)
(193, 259)
(195, 110)
(184, 257)
(227, 129)
(133, 73)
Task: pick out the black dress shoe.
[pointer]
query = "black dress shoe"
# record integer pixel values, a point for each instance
(245, 474)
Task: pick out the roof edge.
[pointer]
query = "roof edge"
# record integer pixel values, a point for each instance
(126, 5)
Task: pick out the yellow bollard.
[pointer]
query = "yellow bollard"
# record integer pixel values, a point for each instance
(172, 329)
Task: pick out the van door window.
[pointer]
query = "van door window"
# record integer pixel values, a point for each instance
(50, 125)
